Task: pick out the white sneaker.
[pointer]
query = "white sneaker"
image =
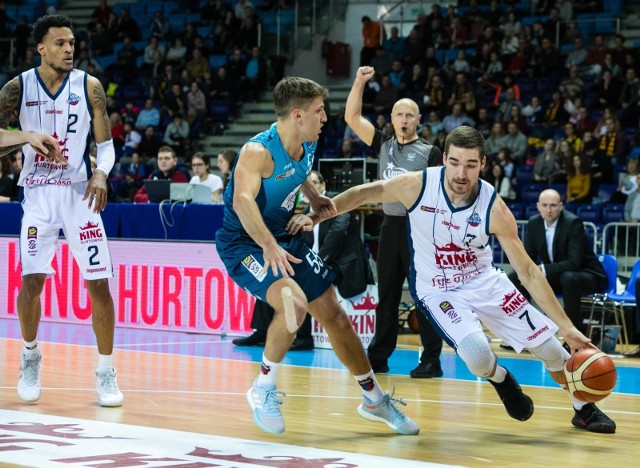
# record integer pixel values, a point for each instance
(107, 387)
(29, 386)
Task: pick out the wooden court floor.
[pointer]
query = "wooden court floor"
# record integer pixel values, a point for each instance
(462, 421)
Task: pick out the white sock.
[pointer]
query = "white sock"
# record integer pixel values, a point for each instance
(105, 362)
(370, 386)
(31, 348)
(268, 371)
(577, 404)
(500, 375)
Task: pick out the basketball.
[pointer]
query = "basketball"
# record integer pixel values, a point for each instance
(591, 375)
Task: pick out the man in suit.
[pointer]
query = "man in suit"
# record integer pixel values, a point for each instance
(557, 240)
(338, 243)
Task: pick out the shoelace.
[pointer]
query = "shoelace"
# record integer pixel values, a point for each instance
(108, 382)
(392, 401)
(30, 370)
(272, 401)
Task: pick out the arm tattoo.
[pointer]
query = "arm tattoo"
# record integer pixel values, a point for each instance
(100, 108)
(9, 96)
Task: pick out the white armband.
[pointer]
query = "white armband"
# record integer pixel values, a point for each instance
(105, 157)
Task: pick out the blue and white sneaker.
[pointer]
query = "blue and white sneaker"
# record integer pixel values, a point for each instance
(387, 412)
(265, 403)
(29, 386)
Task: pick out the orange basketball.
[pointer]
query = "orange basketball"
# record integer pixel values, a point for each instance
(591, 375)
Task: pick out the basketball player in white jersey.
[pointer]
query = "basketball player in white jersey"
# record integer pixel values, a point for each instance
(61, 192)
(451, 215)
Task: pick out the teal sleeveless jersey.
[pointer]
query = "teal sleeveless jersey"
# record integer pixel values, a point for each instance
(276, 198)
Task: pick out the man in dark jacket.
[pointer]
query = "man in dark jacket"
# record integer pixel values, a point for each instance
(557, 240)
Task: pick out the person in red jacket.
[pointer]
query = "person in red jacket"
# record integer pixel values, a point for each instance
(168, 168)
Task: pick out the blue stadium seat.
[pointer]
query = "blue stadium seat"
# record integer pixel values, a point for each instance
(589, 213)
(524, 175)
(517, 209)
(217, 61)
(529, 192)
(530, 210)
(612, 213)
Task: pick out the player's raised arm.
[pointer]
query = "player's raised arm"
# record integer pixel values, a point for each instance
(503, 225)
(96, 191)
(353, 109)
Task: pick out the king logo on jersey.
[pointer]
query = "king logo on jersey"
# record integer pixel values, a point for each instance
(90, 232)
(513, 302)
(452, 256)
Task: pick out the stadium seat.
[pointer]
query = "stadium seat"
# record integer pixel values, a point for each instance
(589, 213)
(612, 213)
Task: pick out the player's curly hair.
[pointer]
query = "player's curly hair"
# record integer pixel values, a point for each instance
(294, 92)
(44, 23)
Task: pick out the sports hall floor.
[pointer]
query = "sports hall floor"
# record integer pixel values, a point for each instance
(185, 406)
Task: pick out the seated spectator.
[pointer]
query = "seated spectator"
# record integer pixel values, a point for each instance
(505, 159)
(494, 142)
(201, 165)
(437, 95)
(502, 183)
(131, 139)
(516, 142)
(159, 26)
(582, 122)
(396, 74)
(254, 78)
(381, 61)
(629, 97)
(548, 165)
(196, 108)
(100, 41)
(168, 168)
(386, 97)
(177, 53)
(174, 102)
(198, 66)
(149, 144)
(461, 64)
(117, 133)
(149, 116)
(221, 86)
(129, 112)
(484, 122)
(8, 184)
(579, 181)
(394, 44)
(503, 114)
(533, 113)
(456, 119)
(127, 26)
(571, 137)
(433, 122)
(601, 167)
(462, 93)
(149, 51)
(612, 143)
(627, 182)
(555, 114)
(225, 162)
(578, 56)
(573, 86)
(414, 83)
(176, 135)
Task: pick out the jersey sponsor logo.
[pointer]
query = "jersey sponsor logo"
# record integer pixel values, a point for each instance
(392, 171)
(36, 103)
(41, 161)
(53, 111)
(287, 166)
(513, 302)
(449, 224)
(412, 156)
(474, 220)
(538, 333)
(254, 267)
(289, 203)
(449, 311)
(284, 175)
(95, 270)
(90, 233)
(73, 99)
(445, 282)
(32, 237)
(431, 209)
(451, 256)
(32, 181)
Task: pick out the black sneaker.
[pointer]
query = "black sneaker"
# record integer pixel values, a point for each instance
(302, 344)
(594, 420)
(380, 368)
(518, 405)
(426, 371)
(255, 339)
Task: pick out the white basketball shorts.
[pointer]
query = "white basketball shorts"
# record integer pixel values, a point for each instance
(492, 299)
(49, 208)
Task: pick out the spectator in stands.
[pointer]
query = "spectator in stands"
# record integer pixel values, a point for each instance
(176, 135)
(149, 51)
(131, 139)
(627, 182)
(629, 97)
(117, 133)
(126, 61)
(149, 144)
(434, 122)
(239, 10)
(571, 137)
(196, 108)
(226, 159)
(168, 168)
(608, 115)
(100, 42)
(512, 22)
(619, 50)
(198, 66)
(372, 37)
(189, 38)
(556, 238)
(503, 113)
(129, 112)
(579, 180)
(456, 119)
(163, 84)
(509, 45)
(505, 159)
(519, 119)
(534, 114)
(21, 34)
(255, 75)
(102, 11)
(134, 174)
(159, 26)
(494, 142)
(601, 167)
(224, 35)
(502, 183)
(462, 93)
(222, 87)
(149, 116)
(381, 61)
(394, 44)
(548, 61)
(555, 113)
(414, 83)
(201, 165)
(554, 27)
(437, 95)
(28, 62)
(386, 97)
(484, 122)
(83, 60)
(247, 35)
(628, 238)
(346, 150)
(127, 26)
(578, 56)
(573, 86)
(212, 11)
(396, 75)
(583, 122)
(548, 164)
(177, 53)
(414, 49)
(596, 54)
(516, 141)
(457, 32)
(612, 143)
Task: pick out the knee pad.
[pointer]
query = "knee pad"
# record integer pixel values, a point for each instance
(477, 355)
(552, 354)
